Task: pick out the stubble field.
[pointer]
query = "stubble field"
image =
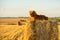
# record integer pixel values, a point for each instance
(10, 30)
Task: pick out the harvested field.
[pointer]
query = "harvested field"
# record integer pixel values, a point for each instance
(16, 32)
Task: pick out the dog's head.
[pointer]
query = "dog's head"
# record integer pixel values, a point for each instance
(32, 13)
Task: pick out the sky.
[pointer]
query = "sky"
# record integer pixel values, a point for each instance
(20, 8)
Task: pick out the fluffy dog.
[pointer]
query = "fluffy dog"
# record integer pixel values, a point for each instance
(34, 16)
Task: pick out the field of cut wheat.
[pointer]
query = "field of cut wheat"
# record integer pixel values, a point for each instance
(11, 32)
(17, 32)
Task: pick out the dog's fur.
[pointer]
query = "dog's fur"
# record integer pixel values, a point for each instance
(37, 17)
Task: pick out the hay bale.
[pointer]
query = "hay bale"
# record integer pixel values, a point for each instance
(44, 30)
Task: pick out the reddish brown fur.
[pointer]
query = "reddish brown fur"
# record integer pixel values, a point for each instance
(38, 17)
